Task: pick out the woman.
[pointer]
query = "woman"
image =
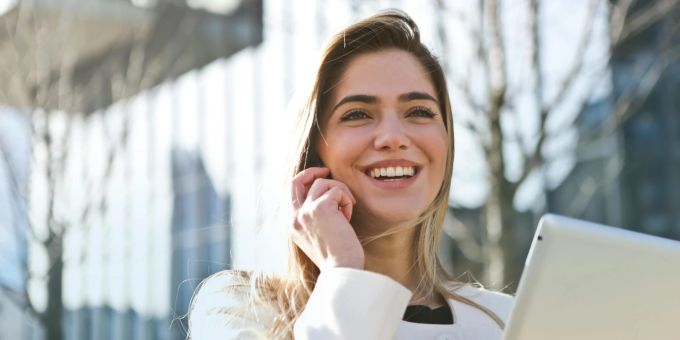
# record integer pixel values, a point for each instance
(369, 194)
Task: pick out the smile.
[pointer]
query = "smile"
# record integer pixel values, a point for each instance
(392, 173)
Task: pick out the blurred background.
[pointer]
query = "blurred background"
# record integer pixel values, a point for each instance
(143, 142)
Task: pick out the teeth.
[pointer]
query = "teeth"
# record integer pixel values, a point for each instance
(392, 171)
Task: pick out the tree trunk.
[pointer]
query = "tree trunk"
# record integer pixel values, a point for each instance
(501, 230)
(495, 263)
(52, 318)
(500, 215)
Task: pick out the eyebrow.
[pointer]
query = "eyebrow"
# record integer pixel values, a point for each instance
(362, 98)
(416, 96)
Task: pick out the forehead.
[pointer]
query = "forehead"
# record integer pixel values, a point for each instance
(384, 74)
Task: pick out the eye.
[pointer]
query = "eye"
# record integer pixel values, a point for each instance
(354, 115)
(421, 112)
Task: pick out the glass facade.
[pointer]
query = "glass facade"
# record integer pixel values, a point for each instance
(199, 234)
(645, 186)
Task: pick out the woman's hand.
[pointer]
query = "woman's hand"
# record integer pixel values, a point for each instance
(322, 209)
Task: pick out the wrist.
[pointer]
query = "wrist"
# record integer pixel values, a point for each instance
(354, 263)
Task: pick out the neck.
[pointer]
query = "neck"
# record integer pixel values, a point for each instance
(393, 255)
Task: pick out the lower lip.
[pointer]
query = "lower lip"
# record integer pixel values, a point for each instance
(394, 184)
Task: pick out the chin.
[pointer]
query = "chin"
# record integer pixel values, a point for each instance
(395, 214)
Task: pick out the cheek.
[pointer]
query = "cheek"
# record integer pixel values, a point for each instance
(436, 142)
(437, 145)
(340, 151)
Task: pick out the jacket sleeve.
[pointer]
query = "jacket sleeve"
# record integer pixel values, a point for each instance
(352, 304)
(221, 309)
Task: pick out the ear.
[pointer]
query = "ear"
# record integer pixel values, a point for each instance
(314, 161)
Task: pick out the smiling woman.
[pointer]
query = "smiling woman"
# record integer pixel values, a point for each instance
(369, 192)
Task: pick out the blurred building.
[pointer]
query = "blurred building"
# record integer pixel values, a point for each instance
(200, 232)
(200, 245)
(629, 176)
(650, 179)
(15, 147)
(143, 233)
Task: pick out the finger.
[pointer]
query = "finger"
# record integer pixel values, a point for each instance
(302, 182)
(344, 187)
(321, 185)
(346, 208)
(339, 199)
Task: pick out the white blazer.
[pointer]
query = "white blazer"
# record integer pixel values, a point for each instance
(347, 304)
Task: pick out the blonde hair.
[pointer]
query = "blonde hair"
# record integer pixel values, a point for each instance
(391, 29)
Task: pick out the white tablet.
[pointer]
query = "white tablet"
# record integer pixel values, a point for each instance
(588, 281)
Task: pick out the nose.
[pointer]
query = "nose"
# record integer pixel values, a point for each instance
(391, 135)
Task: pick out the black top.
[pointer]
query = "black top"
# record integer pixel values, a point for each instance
(423, 314)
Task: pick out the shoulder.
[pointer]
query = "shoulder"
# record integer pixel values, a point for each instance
(497, 302)
(228, 304)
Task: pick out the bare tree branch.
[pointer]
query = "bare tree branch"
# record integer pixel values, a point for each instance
(630, 101)
(496, 208)
(479, 39)
(591, 185)
(579, 57)
(532, 161)
(478, 123)
(460, 232)
(619, 11)
(624, 106)
(534, 52)
(19, 196)
(464, 86)
(625, 20)
(22, 301)
(497, 90)
(473, 124)
(441, 14)
(496, 55)
(646, 18)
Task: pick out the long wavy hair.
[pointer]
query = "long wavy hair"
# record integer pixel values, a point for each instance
(391, 29)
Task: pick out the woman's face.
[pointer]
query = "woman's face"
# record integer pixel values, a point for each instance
(384, 136)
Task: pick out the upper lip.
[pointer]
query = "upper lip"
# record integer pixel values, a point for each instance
(390, 163)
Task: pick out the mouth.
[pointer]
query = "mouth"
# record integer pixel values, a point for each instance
(392, 173)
